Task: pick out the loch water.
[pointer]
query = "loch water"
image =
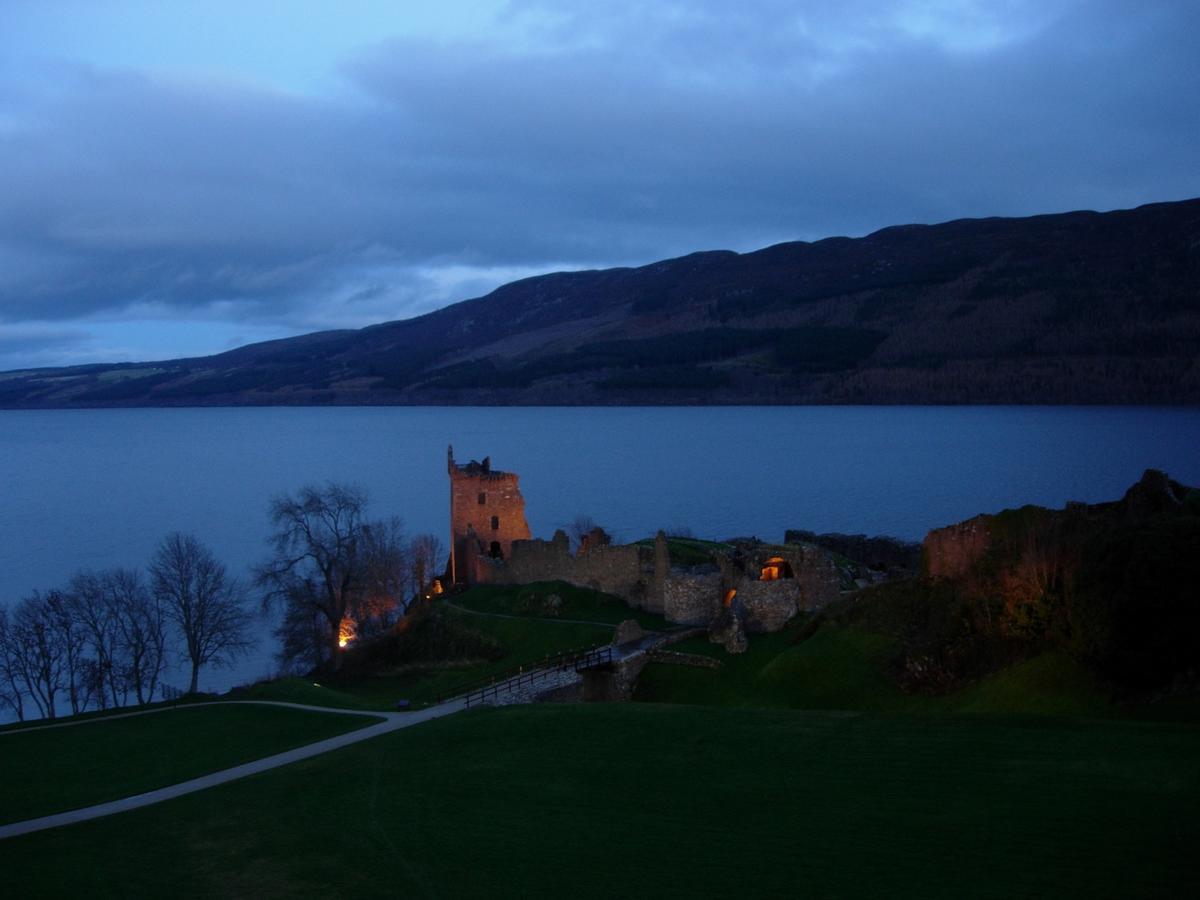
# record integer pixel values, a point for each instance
(94, 489)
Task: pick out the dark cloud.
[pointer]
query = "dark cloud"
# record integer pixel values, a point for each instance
(620, 133)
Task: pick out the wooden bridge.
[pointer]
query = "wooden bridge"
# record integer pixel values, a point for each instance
(552, 667)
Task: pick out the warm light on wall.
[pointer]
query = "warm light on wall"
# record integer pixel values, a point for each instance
(775, 568)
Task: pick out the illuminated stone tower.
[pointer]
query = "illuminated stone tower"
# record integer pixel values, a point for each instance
(487, 513)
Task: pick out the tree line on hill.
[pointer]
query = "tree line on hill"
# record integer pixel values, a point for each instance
(105, 638)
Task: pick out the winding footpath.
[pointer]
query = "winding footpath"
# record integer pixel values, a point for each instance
(391, 721)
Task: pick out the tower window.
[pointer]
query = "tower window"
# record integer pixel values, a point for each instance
(482, 498)
(495, 523)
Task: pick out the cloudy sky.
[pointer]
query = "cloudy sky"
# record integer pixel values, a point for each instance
(179, 178)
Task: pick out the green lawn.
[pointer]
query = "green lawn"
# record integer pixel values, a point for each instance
(54, 770)
(672, 801)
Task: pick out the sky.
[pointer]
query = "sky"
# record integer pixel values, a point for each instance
(180, 178)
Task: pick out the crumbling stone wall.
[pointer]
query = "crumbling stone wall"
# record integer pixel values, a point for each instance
(658, 565)
(614, 683)
(691, 599)
(769, 605)
(816, 575)
(614, 568)
(952, 551)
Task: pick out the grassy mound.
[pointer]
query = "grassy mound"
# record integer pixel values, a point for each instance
(448, 648)
(555, 600)
(311, 693)
(846, 667)
(674, 802)
(689, 551)
(833, 669)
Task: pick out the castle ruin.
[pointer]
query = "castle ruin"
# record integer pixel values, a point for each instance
(487, 513)
(764, 585)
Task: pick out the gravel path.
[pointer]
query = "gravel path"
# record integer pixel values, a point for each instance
(390, 722)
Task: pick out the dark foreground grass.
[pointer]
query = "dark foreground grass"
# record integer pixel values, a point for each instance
(648, 800)
(111, 712)
(54, 770)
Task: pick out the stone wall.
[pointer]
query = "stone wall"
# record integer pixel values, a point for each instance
(614, 683)
(769, 605)
(691, 599)
(952, 551)
(615, 569)
(816, 576)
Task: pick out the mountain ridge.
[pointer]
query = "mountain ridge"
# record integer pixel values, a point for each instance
(1077, 307)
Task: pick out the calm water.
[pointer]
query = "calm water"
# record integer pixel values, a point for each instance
(99, 488)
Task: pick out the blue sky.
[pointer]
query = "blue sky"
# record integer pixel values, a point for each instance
(178, 178)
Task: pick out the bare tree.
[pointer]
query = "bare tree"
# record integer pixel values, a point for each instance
(206, 606)
(425, 552)
(74, 639)
(329, 566)
(38, 645)
(12, 692)
(385, 562)
(92, 610)
(141, 628)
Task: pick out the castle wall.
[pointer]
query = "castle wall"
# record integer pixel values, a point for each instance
(614, 569)
(816, 575)
(769, 605)
(952, 551)
(691, 599)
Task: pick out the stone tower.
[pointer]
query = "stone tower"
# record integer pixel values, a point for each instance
(487, 513)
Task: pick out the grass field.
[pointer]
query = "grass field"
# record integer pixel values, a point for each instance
(53, 770)
(674, 801)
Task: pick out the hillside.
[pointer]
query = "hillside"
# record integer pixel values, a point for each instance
(1080, 307)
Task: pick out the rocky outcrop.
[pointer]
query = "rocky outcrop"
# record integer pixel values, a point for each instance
(952, 552)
